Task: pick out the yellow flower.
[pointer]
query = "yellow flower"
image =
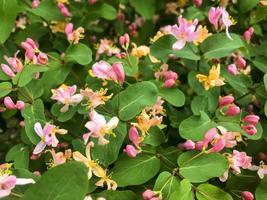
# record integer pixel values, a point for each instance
(57, 27)
(156, 37)
(102, 174)
(202, 34)
(140, 51)
(63, 1)
(213, 79)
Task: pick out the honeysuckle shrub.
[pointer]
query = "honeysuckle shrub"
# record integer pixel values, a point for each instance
(133, 99)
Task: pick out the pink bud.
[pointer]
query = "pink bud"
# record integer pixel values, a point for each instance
(232, 110)
(37, 173)
(22, 124)
(64, 10)
(187, 145)
(250, 129)
(252, 119)
(6, 69)
(15, 64)
(32, 43)
(68, 28)
(209, 136)
(169, 83)
(92, 1)
(218, 146)
(241, 62)
(232, 69)
(8, 102)
(246, 195)
(118, 71)
(35, 3)
(134, 136)
(30, 54)
(124, 40)
(34, 156)
(170, 75)
(42, 59)
(248, 34)
(226, 100)
(197, 3)
(20, 105)
(156, 198)
(148, 194)
(131, 151)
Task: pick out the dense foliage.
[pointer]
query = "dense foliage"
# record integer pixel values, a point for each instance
(133, 99)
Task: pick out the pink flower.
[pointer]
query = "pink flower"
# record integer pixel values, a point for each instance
(74, 36)
(15, 63)
(246, 195)
(98, 127)
(8, 102)
(106, 46)
(240, 160)
(226, 21)
(47, 135)
(42, 58)
(105, 71)
(168, 76)
(185, 32)
(251, 119)
(209, 136)
(214, 15)
(66, 96)
(217, 146)
(131, 151)
(232, 110)
(148, 194)
(262, 169)
(250, 129)
(187, 145)
(232, 69)
(134, 136)
(248, 34)
(226, 100)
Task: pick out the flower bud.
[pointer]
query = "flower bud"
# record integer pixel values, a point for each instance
(32, 43)
(252, 119)
(34, 156)
(156, 198)
(226, 100)
(92, 1)
(7, 70)
(8, 102)
(22, 124)
(199, 145)
(248, 34)
(30, 54)
(232, 69)
(232, 110)
(20, 105)
(246, 195)
(250, 129)
(131, 151)
(209, 136)
(64, 10)
(134, 136)
(35, 3)
(68, 28)
(197, 3)
(187, 145)
(169, 83)
(241, 62)
(118, 71)
(124, 40)
(42, 59)
(148, 194)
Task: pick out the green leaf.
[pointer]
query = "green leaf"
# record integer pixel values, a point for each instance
(195, 84)
(247, 5)
(261, 63)
(79, 53)
(8, 13)
(195, 127)
(19, 154)
(147, 9)
(183, 192)
(32, 114)
(141, 169)
(261, 192)
(107, 154)
(135, 98)
(265, 81)
(32, 91)
(5, 88)
(202, 167)
(64, 182)
(174, 96)
(167, 183)
(210, 192)
(163, 47)
(219, 45)
(48, 10)
(102, 10)
(27, 74)
(155, 136)
(63, 116)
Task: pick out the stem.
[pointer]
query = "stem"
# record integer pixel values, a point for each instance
(16, 194)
